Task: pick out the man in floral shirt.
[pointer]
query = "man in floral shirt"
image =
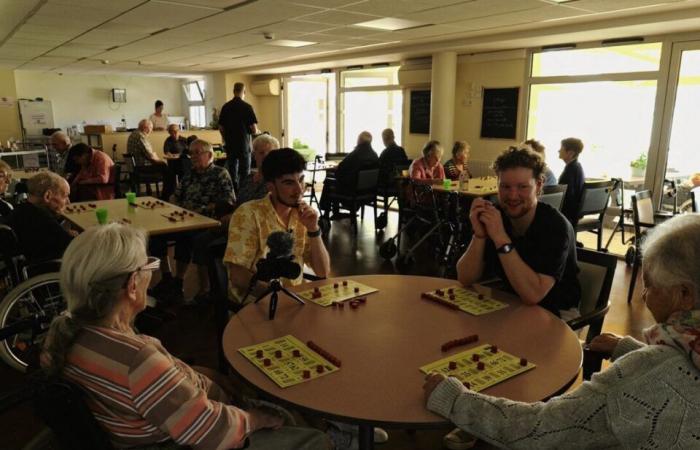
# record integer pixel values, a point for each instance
(207, 190)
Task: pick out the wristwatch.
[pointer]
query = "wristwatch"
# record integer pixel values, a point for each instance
(506, 248)
(313, 234)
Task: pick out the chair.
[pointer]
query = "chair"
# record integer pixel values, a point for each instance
(644, 219)
(389, 189)
(594, 202)
(311, 185)
(145, 175)
(695, 199)
(553, 195)
(596, 274)
(365, 193)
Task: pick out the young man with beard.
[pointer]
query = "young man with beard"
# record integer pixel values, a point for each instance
(281, 210)
(527, 244)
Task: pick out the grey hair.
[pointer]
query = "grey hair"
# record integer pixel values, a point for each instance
(94, 269)
(60, 136)
(266, 139)
(143, 123)
(42, 182)
(672, 253)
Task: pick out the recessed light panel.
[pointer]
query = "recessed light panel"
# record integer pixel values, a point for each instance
(390, 24)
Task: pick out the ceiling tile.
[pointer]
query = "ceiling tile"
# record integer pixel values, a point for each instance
(153, 16)
(326, 3)
(75, 51)
(12, 14)
(221, 4)
(337, 18)
(398, 8)
(472, 10)
(113, 6)
(606, 6)
(106, 38)
(523, 17)
(254, 15)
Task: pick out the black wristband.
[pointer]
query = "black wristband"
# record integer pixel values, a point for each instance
(313, 234)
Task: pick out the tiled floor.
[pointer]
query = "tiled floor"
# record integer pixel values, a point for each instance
(349, 256)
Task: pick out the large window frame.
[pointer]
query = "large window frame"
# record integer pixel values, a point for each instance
(196, 102)
(654, 175)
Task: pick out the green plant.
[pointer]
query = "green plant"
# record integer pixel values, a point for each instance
(297, 144)
(640, 163)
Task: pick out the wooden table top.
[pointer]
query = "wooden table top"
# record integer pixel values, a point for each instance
(151, 220)
(383, 343)
(478, 187)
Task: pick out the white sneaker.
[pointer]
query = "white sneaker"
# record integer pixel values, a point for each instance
(458, 440)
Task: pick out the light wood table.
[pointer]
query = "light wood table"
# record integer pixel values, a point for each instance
(19, 174)
(154, 221)
(478, 187)
(383, 343)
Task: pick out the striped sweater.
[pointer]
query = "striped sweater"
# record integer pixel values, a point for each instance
(141, 394)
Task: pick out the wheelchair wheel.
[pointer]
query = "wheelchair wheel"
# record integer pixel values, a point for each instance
(630, 255)
(388, 249)
(38, 295)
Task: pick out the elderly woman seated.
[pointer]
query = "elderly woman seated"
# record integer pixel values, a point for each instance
(253, 186)
(649, 396)
(139, 393)
(428, 169)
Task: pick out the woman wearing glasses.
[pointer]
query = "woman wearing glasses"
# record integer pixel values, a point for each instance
(139, 393)
(5, 178)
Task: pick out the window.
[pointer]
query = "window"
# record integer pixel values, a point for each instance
(605, 96)
(371, 100)
(195, 93)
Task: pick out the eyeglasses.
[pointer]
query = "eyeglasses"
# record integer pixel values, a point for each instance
(152, 263)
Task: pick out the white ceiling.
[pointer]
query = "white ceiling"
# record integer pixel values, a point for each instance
(176, 37)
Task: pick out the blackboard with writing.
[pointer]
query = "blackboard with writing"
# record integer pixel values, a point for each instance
(420, 112)
(499, 117)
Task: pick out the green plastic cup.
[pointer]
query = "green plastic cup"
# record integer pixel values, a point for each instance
(101, 214)
(131, 198)
(447, 183)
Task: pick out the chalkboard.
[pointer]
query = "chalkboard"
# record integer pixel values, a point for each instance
(420, 112)
(499, 116)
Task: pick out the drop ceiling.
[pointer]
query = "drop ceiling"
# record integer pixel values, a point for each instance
(181, 37)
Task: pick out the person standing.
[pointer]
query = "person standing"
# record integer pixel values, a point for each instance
(159, 118)
(237, 122)
(573, 177)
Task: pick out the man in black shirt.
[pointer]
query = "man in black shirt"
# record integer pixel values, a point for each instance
(237, 122)
(393, 155)
(37, 223)
(529, 245)
(572, 176)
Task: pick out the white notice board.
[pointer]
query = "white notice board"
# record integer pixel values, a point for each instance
(35, 115)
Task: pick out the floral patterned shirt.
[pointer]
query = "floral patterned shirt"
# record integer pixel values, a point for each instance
(199, 190)
(248, 230)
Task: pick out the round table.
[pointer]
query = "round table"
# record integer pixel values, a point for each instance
(383, 343)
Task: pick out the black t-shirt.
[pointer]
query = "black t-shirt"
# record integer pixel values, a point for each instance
(391, 157)
(236, 118)
(548, 247)
(361, 158)
(175, 146)
(39, 232)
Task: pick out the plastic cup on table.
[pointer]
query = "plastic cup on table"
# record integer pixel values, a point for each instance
(101, 214)
(131, 198)
(447, 183)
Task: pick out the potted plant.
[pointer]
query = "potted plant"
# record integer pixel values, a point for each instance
(639, 165)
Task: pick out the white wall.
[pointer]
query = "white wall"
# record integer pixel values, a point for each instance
(78, 99)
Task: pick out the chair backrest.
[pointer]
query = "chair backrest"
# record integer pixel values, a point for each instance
(553, 195)
(367, 180)
(130, 162)
(61, 405)
(643, 209)
(695, 199)
(595, 197)
(596, 274)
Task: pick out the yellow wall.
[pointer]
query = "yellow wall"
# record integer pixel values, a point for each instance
(9, 116)
(489, 74)
(79, 99)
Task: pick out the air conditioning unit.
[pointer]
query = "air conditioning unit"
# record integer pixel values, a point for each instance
(414, 76)
(266, 87)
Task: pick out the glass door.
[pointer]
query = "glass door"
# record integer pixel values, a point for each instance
(679, 158)
(307, 113)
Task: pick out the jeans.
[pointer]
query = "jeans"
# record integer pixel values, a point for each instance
(238, 165)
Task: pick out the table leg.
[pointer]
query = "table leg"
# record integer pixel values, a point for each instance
(366, 437)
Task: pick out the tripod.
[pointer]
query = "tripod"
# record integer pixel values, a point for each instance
(275, 288)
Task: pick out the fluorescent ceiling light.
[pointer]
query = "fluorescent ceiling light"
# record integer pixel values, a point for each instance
(390, 24)
(290, 43)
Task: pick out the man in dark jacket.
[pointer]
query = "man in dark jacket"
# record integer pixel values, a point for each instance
(572, 176)
(392, 156)
(237, 123)
(362, 157)
(37, 223)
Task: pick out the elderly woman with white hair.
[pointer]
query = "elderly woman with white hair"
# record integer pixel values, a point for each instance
(648, 398)
(253, 186)
(139, 393)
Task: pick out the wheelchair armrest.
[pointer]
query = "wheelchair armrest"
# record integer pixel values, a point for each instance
(587, 319)
(311, 277)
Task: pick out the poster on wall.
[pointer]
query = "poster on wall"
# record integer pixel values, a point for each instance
(419, 122)
(499, 116)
